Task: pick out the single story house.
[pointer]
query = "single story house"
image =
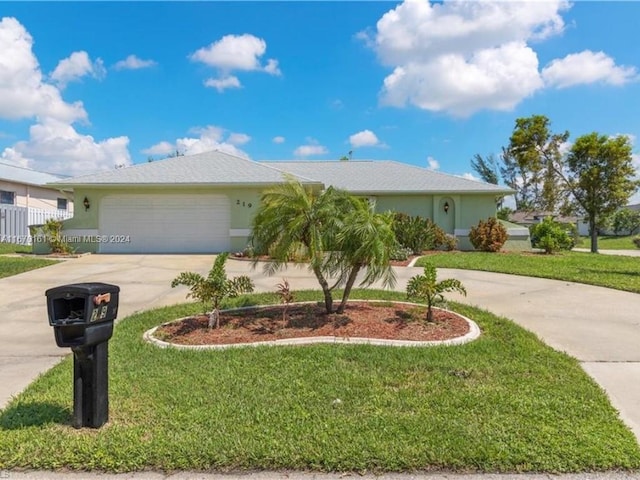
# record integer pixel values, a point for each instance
(23, 187)
(205, 203)
(26, 200)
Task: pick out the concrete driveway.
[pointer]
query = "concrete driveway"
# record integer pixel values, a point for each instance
(598, 326)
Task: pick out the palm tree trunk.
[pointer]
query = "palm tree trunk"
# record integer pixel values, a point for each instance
(347, 288)
(328, 299)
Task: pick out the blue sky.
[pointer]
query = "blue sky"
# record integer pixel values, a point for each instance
(88, 86)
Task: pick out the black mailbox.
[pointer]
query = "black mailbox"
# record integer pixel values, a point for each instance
(82, 316)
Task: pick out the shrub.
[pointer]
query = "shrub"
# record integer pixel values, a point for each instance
(417, 233)
(488, 236)
(636, 241)
(52, 230)
(551, 236)
(450, 242)
(400, 253)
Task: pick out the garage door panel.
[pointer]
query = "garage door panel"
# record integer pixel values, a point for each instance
(165, 223)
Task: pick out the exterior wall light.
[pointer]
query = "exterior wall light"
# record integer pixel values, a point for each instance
(86, 204)
(446, 207)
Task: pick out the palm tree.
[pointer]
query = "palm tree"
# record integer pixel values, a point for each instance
(365, 240)
(338, 233)
(425, 287)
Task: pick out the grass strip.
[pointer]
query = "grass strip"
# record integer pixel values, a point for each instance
(612, 271)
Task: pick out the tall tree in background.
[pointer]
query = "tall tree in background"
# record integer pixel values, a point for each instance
(531, 163)
(599, 174)
(486, 168)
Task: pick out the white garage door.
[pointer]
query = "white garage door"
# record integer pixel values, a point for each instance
(164, 224)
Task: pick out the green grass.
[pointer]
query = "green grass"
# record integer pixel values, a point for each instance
(611, 243)
(14, 265)
(503, 403)
(14, 248)
(613, 271)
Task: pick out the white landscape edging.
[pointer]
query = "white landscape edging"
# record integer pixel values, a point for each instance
(472, 334)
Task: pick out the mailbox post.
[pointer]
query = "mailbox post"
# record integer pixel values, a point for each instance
(82, 317)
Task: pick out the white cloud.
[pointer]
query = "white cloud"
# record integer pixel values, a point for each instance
(309, 150)
(23, 93)
(76, 66)
(587, 67)
(207, 139)
(238, 138)
(365, 138)
(161, 148)
(461, 56)
(432, 163)
(55, 146)
(233, 53)
(470, 176)
(278, 139)
(133, 62)
(222, 84)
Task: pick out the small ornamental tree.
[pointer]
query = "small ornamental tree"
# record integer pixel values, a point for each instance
(213, 289)
(550, 236)
(52, 230)
(425, 287)
(488, 236)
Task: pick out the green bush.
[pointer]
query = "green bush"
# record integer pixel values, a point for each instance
(551, 236)
(400, 253)
(52, 230)
(488, 236)
(417, 233)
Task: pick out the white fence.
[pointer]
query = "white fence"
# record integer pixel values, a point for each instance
(15, 221)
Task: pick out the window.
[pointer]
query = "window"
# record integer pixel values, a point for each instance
(62, 204)
(7, 198)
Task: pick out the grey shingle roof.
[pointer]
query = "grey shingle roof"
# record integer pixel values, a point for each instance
(373, 176)
(218, 168)
(209, 168)
(27, 176)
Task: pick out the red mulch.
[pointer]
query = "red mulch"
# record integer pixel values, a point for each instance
(361, 319)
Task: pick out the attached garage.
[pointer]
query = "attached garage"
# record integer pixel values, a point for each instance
(164, 223)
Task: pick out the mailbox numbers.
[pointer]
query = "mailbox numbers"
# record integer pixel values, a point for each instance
(99, 313)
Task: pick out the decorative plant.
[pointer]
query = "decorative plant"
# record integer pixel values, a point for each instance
(425, 287)
(52, 230)
(488, 236)
(286, 297)
(417, 233)
(215, 288)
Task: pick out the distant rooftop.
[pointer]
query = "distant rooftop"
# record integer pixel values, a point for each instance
(27, 176)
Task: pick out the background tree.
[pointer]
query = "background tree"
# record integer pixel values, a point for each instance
(486, 168)
(531, 162)
(599, 173)
(625, 221)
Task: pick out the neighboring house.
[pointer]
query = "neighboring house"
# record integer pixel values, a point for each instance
(204, 203)
(25, 199)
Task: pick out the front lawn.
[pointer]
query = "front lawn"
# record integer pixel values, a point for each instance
(505, 402)
(611, 242)
(14, 265)
(611, 271)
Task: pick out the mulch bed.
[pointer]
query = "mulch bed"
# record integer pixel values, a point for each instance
(361, 319)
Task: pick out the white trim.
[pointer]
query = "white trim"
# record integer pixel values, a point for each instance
(239, 232)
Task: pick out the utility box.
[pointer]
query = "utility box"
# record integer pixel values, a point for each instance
(82, 316)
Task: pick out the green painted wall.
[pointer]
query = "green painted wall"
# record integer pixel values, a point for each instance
(464, 211)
